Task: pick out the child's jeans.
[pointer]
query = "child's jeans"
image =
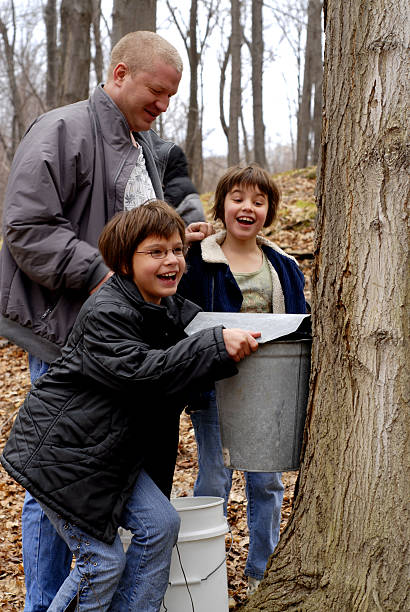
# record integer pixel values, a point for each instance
(264, 490)
(104, 577)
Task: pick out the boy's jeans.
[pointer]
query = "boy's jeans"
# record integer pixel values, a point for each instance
(264, 490)
(104, 577)
(46, 557)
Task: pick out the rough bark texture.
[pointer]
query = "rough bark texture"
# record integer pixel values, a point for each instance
(346, 546)
(18, 126)
(98, 59)
(309, 121)
(50, 20)
(236, 93)
(129, 16)
(76, 17)
(257, 89)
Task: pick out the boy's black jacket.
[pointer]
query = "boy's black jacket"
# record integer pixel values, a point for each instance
(111, 404)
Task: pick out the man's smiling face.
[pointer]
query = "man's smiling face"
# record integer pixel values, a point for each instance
(143, 97)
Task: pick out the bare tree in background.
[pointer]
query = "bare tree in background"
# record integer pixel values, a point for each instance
(256, 49)
(75, 49)
(98, 59)
(235, 97)
(9, 42)
(50, 22)
(291, 17)
(345, 547)
(310, 121)
(195, 44)
(129, 16)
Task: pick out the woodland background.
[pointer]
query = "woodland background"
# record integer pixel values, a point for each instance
(54, 52)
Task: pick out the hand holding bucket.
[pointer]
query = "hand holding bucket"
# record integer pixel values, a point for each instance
(239, 343)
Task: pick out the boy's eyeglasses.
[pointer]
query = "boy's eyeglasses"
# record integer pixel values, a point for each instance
(162, 253)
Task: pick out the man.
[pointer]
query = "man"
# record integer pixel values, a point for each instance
(74, 169)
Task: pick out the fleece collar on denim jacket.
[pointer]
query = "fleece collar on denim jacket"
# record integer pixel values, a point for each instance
(212, 252)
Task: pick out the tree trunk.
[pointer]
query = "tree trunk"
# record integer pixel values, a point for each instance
(193, 143)
(222, 81)
(98, 60)
(50, 20)
(76, 17)
(236, 92)
(346, 546)
(129, 16)
(309, 124)
(257, 89)
(18, 127)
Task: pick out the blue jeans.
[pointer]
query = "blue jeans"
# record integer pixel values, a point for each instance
(264, 490)
(104, 577)
(46, 557)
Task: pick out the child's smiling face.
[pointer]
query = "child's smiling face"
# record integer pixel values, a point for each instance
(245, 211)
(158, 278)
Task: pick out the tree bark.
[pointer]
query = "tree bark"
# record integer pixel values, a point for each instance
(129, 16)
(50, 20)
(18, 127)
(236, 92)
(257, 82)
(309, 124)
(346, 546)
(222, 81)
(193, 142)
(76, 17)
(98, 59)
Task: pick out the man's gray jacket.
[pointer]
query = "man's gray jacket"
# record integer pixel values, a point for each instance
(67, 180)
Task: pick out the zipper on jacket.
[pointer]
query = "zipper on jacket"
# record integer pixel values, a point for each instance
(48, 311)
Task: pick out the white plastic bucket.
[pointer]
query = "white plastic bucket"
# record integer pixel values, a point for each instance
(200, 555)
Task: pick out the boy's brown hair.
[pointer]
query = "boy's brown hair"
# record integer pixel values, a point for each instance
(251, 175)
(127, 229)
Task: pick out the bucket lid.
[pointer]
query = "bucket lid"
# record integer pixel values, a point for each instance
(271, 326)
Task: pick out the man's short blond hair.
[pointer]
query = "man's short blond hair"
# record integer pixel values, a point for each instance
(139, 51)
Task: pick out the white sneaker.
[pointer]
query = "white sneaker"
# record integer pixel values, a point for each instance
(253, 584)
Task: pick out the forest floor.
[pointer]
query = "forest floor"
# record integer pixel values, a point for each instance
(293, 232)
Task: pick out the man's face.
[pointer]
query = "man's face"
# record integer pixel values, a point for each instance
(143, 97)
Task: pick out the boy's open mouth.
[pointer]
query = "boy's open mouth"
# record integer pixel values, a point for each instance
(245, 220)
(169, 276)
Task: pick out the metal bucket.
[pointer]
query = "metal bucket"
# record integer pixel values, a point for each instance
(262, 410)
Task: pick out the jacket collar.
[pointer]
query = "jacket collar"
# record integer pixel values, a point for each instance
(113, 125)
(175, 307)
(212, 252)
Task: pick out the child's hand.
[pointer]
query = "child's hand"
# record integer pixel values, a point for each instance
(240, 343)
(198, 231)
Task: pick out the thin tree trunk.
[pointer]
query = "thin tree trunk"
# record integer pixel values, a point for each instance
(15, 98)
(309, 124)
(98, 60)
(222, 81)
(193, 143)
(346, 546)
(50, 19)
(236, 92)
(76, 17)
(257, 77)
(246, 149)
